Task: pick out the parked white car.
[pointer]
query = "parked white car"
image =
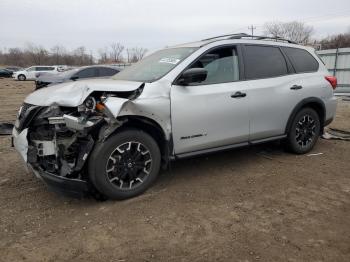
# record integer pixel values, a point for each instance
(31, 72)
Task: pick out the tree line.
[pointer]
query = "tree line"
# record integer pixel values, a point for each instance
(303, 34)
(58, 55)
(117, 53)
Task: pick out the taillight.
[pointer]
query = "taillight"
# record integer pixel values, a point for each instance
(332, 80)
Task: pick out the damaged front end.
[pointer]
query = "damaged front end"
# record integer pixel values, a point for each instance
(56, 141)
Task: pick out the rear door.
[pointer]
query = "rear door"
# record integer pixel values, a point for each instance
(273, 90)
(312, 81)
(211, 114)
(41, 70)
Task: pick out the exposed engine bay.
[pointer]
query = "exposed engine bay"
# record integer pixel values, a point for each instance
(60, 139)
(62, 133)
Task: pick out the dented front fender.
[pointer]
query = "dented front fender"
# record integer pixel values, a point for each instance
(153, 102)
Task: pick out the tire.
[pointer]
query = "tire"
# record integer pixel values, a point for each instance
(21, 77)
(125, 165)
(304, 131)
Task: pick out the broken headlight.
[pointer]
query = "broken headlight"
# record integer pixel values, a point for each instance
(89, 105)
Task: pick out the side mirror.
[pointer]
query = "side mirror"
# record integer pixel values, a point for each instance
(193, 75)
(73, 78)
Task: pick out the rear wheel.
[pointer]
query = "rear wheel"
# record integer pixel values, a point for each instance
(304, 131)
(21, 77)
(125, 165)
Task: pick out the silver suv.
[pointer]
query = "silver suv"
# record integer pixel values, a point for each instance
(110, 137)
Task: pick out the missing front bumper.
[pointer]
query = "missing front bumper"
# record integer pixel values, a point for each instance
(64, 186)
(67, 186)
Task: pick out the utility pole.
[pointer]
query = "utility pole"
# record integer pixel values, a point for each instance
(252, 27)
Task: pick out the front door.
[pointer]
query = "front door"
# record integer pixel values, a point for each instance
(30, 75)
(212, 113)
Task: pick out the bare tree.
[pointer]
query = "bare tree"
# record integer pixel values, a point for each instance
(295, 31)
(128, 54)
(116, 53)
(37, 53)
(57, 53)
(140, 52)
(82, 58)
(336, 41)
(135, 54)
(103, 55)
(15, 56)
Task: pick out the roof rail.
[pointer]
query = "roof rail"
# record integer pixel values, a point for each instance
(254, 37)
(220, 36)
(258, 37)
(277, 38)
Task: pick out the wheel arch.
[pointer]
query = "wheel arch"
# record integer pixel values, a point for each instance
(152, 128)
(313, 102)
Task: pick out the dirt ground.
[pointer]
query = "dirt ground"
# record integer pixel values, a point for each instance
(252, 204)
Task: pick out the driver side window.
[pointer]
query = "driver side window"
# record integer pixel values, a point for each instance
(221, 65)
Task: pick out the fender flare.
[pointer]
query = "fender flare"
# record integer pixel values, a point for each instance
(142, 123)
(312, 102)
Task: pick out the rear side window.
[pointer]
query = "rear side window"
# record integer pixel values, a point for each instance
(88, 72)
(264, 62)
(301, 59)
(106, 71)
(44, 68)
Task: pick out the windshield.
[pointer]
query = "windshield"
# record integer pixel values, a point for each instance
(156, 65)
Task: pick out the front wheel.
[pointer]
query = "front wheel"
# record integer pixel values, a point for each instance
(125, 165)
(304, 131)
(21, 77)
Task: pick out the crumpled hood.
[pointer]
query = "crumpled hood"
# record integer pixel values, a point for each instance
(72, 94)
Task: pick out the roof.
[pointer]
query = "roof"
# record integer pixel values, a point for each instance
(241, 38)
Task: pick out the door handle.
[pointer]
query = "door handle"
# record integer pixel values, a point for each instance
(296, 87)
(238, 94)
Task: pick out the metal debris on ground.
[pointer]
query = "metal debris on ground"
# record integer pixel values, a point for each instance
(315, 154)
(336, 134)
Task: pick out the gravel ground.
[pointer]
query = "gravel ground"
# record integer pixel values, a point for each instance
(252, 204)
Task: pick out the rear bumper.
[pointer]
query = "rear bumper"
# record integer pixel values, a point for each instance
(331, 108)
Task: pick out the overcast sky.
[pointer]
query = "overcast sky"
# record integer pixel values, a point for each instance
(154, 24)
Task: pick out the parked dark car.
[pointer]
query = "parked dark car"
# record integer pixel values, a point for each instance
(5, 73)
(75, 74)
